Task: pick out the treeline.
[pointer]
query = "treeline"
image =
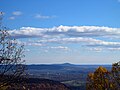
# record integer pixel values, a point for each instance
(102, 79)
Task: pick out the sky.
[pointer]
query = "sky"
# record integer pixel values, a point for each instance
(65, 31)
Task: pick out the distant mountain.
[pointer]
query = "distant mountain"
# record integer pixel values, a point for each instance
(66, 64)
(63, 67)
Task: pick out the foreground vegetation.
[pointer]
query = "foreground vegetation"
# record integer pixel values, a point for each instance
(102, 79)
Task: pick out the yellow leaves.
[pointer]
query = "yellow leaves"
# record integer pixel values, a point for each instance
(101, 70)
(91, 75)
(111, 85)
(100, 87)
(102, 79)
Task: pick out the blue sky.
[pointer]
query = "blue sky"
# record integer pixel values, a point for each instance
(59, 31)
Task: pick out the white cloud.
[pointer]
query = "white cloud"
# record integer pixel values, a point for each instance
(89, 36)
(17, 13)
(71, 31)
(39, 16)
(12, 18)
(88, 42)
(60, 47)
(28, 43)
(105, 44)
(95, 49)
(34, 44)
(27, 32)
(114, 49)
(56, 48)
(70, 40)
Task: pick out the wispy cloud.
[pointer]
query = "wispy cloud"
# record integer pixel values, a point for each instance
(104, 45)
(101, 49)
(95, 49)
(28, 43)
(39, 16)
(87, 42)
(60, 48)
(12, 18)
(70, 40)
(17, 13)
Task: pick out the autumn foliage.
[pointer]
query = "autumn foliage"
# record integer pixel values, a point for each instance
(102, 79)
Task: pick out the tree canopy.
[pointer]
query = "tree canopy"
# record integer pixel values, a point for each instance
(102, 79)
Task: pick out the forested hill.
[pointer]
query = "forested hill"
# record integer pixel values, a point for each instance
(37, 84)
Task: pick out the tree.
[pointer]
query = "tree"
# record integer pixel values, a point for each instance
(11, 64)
(116, 74)
(98, 79)
(102, 79)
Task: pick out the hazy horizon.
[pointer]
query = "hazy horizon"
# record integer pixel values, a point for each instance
(69, 63)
